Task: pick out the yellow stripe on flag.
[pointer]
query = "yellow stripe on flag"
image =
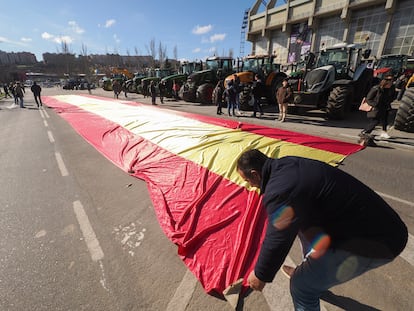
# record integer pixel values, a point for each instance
(211, 146)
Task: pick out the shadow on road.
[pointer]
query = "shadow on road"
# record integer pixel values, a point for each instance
(346, 303)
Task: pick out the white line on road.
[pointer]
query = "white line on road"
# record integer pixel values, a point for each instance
(61, 164)
(396, 199)
(183, 293)
(51, 138)
(41, 113)
(408, 253)
(45, 123)
(88, 234)
(46, 114)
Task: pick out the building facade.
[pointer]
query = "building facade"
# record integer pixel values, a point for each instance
(292, 29)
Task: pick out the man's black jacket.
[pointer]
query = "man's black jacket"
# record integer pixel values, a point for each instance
(324, 200)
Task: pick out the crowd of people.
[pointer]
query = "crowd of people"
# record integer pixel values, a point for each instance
(17, 91)
(379, 98)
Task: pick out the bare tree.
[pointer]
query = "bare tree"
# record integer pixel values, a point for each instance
(65, 49)
(151, 51)
(84, 50)
(84, 57)
(162, 54)
(175, 55)
(175, 52)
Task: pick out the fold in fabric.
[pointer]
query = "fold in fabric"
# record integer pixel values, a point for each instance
(189, 164)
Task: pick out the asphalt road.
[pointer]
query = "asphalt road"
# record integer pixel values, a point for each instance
(77, 233)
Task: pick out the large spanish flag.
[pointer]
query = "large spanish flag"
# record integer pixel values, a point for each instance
(188, 162)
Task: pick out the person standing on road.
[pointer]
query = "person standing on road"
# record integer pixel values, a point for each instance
(176, 90)
(284, 96)
(153, 92)
(380, 98)
(116, 87)
(218, 96)
(162, 87)
(257, 92)
(19, 91)
(36, 90)
(237, 88)
(6, 90)
(229, 95)
(345, 228)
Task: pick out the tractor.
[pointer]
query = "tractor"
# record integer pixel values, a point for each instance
(338, 82)
(395, 64)
(404, 119)
(200, 84)
(264, 66)
(186, 68)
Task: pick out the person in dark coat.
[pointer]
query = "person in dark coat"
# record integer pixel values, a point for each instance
(284, 96)
(380, 98)
(218, 96)
(345, 228)
(153, 92)
(36, 90)
(229, 95)
(257, 92)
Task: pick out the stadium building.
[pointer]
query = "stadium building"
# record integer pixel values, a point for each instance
(295, 27)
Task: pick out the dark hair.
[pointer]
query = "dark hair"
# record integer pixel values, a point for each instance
(251, 160)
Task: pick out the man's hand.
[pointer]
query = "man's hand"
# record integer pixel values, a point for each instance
(254, 282)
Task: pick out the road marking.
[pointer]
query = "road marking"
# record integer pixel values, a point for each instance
(46, 114)
(88, 234)
(61, 164)
(408, 253)
(41, 113)
(51, 138)
(45, 123)
(183, 293)
(396, 199)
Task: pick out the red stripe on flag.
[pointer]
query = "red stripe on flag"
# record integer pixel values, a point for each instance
(213, 221)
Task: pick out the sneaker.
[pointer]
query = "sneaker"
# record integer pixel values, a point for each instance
(288, 271)
(385, 135)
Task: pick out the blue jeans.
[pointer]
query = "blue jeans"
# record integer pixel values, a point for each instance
(231, 106)
(315, 276)
(21, 102)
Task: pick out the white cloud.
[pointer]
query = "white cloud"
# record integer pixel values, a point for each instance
(66, 39)
(196, 50)
(47, 36)
(199, 30)
(26, 39)
(75, 27)
(56, 39)
(110, 23)
(217, 37)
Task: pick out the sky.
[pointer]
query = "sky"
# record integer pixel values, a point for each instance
(195, 29)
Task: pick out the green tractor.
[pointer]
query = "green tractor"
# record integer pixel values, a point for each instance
(200, 84)
(133, 84)
(337, 84)
(186, 68)
(145, 82)
(267, 69)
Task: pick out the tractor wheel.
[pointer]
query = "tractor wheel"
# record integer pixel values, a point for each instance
(246, 99)
(337, 103)
(204, 93)
(131, 88)
(404, 119)
(187, 94)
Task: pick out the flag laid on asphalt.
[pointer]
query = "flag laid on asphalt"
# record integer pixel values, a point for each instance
(189, 164)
